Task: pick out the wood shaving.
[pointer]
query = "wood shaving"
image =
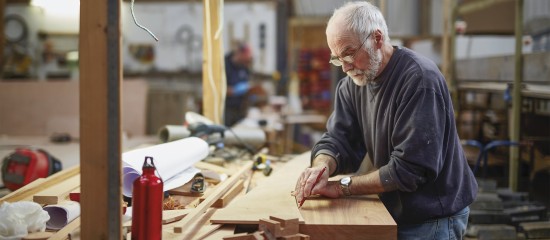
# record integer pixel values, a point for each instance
(172, 204)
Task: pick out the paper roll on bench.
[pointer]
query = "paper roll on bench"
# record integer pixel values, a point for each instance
(174, 162)
(173, 132)
(251, 136)
(62, 214)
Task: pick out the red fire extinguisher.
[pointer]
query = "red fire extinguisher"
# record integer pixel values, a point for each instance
(147, 199)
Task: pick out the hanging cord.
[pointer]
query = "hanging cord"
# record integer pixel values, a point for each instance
(139, 25)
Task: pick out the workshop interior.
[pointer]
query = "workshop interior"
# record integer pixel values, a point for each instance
(189, 119)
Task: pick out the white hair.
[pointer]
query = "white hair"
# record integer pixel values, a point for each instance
(362, 18)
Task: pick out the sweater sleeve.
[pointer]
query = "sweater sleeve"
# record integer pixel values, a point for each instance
(343, 139)
(417, 139)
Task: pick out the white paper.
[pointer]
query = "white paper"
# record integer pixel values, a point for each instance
(173, 160)
(62, 214)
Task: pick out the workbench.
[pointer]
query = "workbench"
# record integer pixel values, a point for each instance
(356, 217)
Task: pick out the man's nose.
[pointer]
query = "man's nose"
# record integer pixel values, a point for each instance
(346, 67)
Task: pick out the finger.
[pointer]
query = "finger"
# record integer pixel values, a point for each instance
(300, 194)
(319, 186)
(299, 183)
(310, 183)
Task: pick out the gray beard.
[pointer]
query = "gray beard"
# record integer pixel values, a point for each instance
(375, 58)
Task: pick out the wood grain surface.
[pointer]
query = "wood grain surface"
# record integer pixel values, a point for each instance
(271, 197)
(356, 217)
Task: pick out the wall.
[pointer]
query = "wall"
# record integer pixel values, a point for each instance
(179, 29)
(30, 108)
(170, 22)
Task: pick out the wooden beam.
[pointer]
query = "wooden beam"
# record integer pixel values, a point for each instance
(67, 230)
(100, 144)
(424, 21)
(474, 6)
(213, 78)
(2, 37)
(17, 2)
(228, 196)
(516, 99)
(27, 191)
(448, 49)
(221, 189)
(190, 1)
(56, 194)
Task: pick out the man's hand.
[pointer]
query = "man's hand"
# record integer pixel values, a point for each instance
(308, 185)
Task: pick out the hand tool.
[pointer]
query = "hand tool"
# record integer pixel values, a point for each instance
(26, 165)
(315, 183)
(198, 185)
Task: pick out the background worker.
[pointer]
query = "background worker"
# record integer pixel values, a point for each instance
(237, 70)
(393, 106)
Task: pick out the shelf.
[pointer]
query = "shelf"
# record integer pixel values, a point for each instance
(529, 90)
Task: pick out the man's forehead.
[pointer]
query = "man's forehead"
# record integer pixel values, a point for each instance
(340, 41)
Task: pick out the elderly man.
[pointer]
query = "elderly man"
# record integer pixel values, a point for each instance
(393, 106)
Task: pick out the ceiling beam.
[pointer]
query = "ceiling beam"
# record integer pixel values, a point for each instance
(18, 2)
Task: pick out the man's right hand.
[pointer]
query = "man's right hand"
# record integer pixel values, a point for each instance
(307, 183)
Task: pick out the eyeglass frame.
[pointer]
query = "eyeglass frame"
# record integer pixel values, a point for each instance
(339, 61)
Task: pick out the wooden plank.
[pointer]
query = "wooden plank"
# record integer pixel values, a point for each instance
(213, 68)
(206, 230)
(24, 193)
(38, 236)
(357, 217)
(100, 142)
(27, 191)
(192, 227)
(65, 231)
(170, 216)
(225, 230)
(201, 233)
(220, 190)
(227, 197)
(271, 197)
(213, 167)
(57, 193)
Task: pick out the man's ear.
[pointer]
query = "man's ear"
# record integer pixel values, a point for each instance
(378, 38)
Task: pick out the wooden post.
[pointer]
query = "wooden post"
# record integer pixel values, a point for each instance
(213, 68)
(516, 99)
(446, 40)
(449, 39)
(100, 90)
(424, 20)
(2, 37)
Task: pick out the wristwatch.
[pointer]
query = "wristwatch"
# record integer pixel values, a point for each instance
(344, 185)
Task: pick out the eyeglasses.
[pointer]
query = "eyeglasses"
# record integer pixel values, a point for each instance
(339, 61)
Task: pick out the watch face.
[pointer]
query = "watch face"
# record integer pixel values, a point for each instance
(345, 180)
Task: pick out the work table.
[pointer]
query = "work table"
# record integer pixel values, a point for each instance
(356, 217)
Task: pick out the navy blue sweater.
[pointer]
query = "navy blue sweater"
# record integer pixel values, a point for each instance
(404, 121)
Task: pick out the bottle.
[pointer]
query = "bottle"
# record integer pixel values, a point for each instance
(147, 197)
